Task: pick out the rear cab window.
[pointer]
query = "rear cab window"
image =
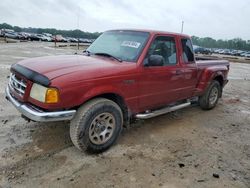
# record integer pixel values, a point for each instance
(187, 50)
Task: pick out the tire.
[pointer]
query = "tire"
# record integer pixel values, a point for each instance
(96, 126)
(209, 100)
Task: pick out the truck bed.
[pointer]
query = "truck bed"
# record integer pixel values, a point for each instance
(212, 62)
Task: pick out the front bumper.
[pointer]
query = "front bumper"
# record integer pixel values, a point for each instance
(38, 115)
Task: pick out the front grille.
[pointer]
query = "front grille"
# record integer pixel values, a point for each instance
(17, 84)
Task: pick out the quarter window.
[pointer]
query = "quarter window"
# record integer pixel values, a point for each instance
(187, 50)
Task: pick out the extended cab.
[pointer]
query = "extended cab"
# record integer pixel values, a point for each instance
(124, 74)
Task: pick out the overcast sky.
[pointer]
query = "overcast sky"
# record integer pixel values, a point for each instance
(224, 19)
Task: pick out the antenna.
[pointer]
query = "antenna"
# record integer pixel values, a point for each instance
(78, 27)
(182, 26)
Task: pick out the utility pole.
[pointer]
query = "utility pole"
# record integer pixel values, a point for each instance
(182, 26)
(78, 27)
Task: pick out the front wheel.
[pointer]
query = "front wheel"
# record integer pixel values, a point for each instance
(97, 125)
(211, 96)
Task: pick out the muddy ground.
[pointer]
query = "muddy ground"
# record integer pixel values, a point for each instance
(188, 148)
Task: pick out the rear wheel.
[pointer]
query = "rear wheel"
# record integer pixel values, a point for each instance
(97, 125)
(211, 97)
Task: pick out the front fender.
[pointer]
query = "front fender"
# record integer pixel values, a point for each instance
(100, 90)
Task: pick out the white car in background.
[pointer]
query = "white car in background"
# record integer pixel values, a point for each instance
(43, 37)
(47, 38)
(247, 54)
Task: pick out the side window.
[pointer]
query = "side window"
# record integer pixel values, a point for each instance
(187, 50)
(164, 46)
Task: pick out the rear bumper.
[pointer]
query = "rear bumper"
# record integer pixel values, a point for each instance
(38, 115)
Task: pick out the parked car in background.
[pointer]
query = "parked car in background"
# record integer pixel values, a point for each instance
(22, 36)
(12, 35)
(245, 54)
(3, 31)
(236, 52)
(71, 39)
(227, 52)
(44, 37)
(231, 52)
(85, 40)
(48, 35)
(59, 38)
(41, 37)
(34, 37)
(201, 50)
(248, 54)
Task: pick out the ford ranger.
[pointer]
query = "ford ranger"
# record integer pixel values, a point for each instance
(124, 74)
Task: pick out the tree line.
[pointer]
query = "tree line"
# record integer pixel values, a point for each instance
(236, 44)
(67, 33)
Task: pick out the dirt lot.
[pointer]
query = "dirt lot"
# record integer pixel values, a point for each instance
(188, 148)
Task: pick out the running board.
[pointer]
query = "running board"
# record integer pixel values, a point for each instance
(162, 111)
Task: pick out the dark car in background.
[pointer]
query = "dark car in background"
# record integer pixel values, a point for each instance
(201, 50)
(34, 37)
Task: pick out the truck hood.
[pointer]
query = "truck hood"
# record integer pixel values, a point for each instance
(57, 66)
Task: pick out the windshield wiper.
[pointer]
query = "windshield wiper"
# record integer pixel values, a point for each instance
(88, 52)
(109, 55)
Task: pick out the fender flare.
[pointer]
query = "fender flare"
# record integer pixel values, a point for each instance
(208, 75)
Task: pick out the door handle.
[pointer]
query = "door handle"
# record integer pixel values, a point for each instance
(178, 72)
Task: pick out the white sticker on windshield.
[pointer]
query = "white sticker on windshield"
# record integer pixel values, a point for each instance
(131, 44)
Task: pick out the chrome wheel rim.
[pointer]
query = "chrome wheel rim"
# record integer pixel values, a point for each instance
(102, 128)
(213, 95)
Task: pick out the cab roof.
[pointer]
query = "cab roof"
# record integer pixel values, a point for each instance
(154, 32)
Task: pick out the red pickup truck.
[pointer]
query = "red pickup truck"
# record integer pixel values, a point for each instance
(124, 74)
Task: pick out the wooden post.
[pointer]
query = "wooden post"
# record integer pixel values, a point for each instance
(55, 41)
(78, 44)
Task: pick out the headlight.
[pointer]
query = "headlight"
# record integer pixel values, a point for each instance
(44, 94)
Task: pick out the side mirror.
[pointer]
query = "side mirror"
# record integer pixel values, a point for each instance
(155, 60)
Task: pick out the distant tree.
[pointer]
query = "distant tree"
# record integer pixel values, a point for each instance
(237, 43)
(17, 29)
(5, 26)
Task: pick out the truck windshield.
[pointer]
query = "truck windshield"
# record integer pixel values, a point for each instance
(124, 45)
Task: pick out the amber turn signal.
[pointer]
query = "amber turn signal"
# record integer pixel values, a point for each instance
(52, 95)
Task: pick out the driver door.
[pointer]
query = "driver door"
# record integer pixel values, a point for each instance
(159, 85)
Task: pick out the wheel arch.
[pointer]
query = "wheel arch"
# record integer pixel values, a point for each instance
(220, 79)
(118, 99)
(208, 75)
